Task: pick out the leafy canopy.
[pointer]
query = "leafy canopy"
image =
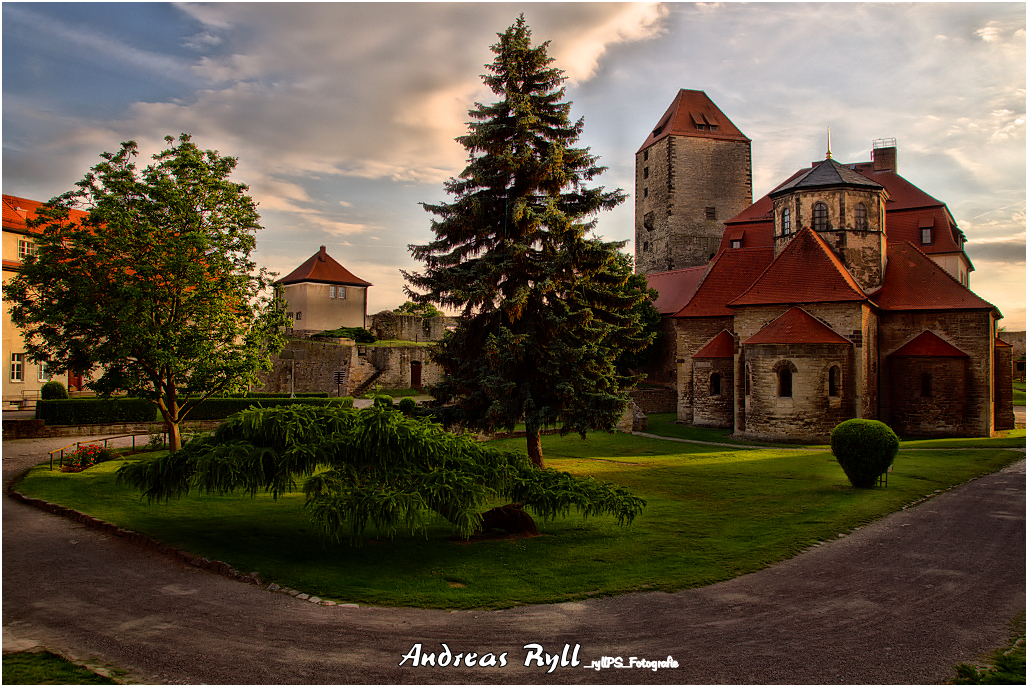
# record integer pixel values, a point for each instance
(370, 467)
(154, 291)
(419, 309)
(546, 308)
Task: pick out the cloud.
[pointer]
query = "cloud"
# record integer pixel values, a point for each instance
(998, 250)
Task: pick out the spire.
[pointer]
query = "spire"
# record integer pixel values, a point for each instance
(828, 155)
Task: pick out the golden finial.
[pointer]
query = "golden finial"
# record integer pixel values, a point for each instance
(828, 155)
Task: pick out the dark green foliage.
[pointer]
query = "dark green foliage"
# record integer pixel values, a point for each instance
(407, 405)
(546, 308)
(357, 334)
(383, 401)
(370, 467)
(45, 668)
(425, 310)
(53, 390)
(865, 449)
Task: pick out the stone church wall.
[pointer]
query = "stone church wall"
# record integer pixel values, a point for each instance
(713, 407)
(692, 334)
(943, 412)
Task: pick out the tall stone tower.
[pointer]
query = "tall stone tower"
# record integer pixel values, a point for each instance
(691, 174)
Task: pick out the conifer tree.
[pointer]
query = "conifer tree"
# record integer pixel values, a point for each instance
(545, 307)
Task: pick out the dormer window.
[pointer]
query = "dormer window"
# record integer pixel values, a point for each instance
(926, 236)
(736, 243)
(820, 216)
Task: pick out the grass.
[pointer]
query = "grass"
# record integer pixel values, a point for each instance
(713, 513)
(1019, 393)
(395, 393)
(1004, 666)
(45, 668)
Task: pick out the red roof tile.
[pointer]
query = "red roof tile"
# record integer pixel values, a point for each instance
(675, 287)
(730, 273)
(17, 210)
(796, 326)
(914, 282)
(806, 271)
(721, 346)
(928, 345)
(688, 111)
(321, 268)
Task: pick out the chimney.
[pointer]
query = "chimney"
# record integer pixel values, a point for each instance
(322, 254)
(883, 154)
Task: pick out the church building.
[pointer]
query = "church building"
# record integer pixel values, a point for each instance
(843, 293)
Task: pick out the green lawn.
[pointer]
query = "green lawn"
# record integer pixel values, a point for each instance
(1019, 393)
(45, 668)
(713, 513)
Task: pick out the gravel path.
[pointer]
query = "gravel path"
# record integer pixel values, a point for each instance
(897, 602)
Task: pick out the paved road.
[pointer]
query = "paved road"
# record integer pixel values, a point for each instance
(898, 602)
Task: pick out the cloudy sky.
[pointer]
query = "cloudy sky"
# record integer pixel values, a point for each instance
(343, 115)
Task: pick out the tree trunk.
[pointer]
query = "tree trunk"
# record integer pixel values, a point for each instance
(174, 435)
(535, 448)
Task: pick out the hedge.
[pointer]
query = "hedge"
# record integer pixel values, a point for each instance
(98, 411)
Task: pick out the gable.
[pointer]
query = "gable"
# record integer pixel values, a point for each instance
(806, 271)
(927, 344)
(796, 326)
(721, 346)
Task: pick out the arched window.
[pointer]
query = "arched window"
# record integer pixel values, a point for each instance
(786, 222)
(715, 384)
(926, 386)
(860, 217)
(834, 375)
(820, 216)
(785, 382)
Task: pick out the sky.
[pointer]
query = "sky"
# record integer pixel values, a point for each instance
(343, 115)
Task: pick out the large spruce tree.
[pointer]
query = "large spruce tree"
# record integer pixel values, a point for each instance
(546, 308)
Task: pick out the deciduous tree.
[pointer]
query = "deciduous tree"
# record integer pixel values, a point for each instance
(154, 291)
(546, 308)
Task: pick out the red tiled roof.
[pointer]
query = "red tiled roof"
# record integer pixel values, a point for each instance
(721, 346)
(796, 326)
(321, 268)
(1000, 343)
(928, 345)
(675, 287)
(17, 210)
(806, 271)
(689, 110)
(914, 282)
(730, 273)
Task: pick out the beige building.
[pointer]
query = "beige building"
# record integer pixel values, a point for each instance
(322, 295)
(23, 378)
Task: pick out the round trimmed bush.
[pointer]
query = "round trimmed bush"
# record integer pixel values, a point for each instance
(53, 390)
(865, 449)
(383, 401)
(408, 405)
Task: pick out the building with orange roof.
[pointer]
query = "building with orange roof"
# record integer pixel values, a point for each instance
(23, 378)
(842, 293)
(322, 295)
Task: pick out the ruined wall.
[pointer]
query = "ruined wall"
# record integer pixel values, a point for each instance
(388, 325)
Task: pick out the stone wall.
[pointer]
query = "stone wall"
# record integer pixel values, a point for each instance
(1016, 339)
(1004, 389)
(713, 401)
(388, 325)
(692, 334)
(941, 412)
(654, 399)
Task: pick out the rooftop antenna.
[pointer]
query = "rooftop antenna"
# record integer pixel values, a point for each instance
(828, 155)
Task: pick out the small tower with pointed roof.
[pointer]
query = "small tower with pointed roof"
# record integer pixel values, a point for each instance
(845, 208)
(322, 295)
(692, 173)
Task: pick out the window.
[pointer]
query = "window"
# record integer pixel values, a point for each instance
(646, 193)
(926, 236)
(646, 172)
(331, 292)
(44, 371)
(646, 246)
(711, 213)
(25, 248)
(926, 386)
(715, 384)
(290, 315)
(298, 314)
(834, 374)
(785, 382)
(341, 292)
(860, 217)
(820, 216)
(786, 222)
(736, 243)
(646, 154)
(17, 367)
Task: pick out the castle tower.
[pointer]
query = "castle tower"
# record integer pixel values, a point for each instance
(691, 174)
(845, 208)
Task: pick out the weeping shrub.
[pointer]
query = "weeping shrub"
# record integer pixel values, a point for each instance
(865, 449)
(370, 467)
